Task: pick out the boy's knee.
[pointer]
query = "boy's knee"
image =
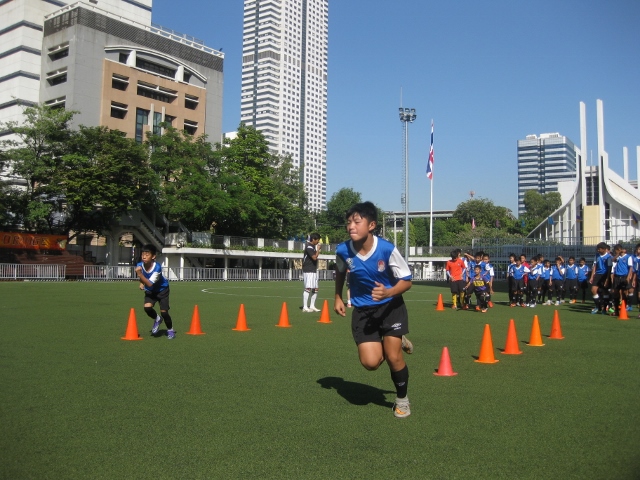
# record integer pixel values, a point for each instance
(371, 365)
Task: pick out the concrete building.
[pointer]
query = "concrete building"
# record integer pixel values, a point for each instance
(21, 35)
(597, 203)
(543, 161)
(284, 83)
(129, 76)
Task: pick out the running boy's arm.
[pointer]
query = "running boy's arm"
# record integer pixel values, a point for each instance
(338, 303)
(380, 292)
(144, 280)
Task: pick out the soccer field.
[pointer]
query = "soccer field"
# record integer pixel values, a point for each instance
(77, 402)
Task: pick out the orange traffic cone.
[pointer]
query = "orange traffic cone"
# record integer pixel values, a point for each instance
(556, 331)
(440, 305)
(195, 323)
(324, 315)
(535, 340)
(132, 328)
(241, 324)
(511, 348)
(284, 317)
(486, 349)
(623, 311)
(445, 369)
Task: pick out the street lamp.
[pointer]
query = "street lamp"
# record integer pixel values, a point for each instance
(407, 116)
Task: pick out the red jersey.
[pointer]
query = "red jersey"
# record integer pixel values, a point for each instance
(456, 269)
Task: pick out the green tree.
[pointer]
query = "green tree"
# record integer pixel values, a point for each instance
(483, 213)
(421, 231)
(103, 176)
(331, 222)
(539, 206)
(266, 196)
(188, 176)
(34, 155)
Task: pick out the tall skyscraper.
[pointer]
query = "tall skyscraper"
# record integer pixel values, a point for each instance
(543, 162)
(284, 83)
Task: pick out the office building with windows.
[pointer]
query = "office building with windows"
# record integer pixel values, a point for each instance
(284, 83)
(543, 161)
(598, 204)
(21, 35)
(129, 76)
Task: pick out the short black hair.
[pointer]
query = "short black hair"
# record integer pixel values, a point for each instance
(314, 236)
(148, 247)
(365, 209)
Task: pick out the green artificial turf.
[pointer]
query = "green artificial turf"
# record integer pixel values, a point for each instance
(78, 402)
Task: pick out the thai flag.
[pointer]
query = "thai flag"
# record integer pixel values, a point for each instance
(430, 163)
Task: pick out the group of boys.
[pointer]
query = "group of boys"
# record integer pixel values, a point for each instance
(530, 282)
(611, 279)
(470, 274)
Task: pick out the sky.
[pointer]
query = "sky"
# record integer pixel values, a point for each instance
(487, 73)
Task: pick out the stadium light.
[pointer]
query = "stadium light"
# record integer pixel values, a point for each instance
(407, 116)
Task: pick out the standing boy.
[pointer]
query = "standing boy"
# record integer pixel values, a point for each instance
(310, 273)
(488, 273)
(583, 278)
(571, 280)
(378, 278)
(455, 269)
(156, 289)
(600, 277)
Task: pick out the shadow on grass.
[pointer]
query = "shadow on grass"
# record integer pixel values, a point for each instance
(356, 393)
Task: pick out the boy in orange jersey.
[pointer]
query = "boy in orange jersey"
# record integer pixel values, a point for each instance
(456, 275)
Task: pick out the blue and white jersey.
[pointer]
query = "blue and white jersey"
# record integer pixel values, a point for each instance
(382, 264)
(583, 271)
(535, 272)
(488, 273)
(557, 273)
(602, 264)
(571, 272)
(518, 272)
(622, 266)
(154, 275)
(545, 273)
(636, 264)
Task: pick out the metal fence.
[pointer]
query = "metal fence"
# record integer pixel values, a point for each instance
(19, 271)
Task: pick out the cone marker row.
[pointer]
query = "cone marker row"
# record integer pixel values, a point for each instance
(511, 348)
(241, 323)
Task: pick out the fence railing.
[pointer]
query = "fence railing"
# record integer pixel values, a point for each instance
(19, 271)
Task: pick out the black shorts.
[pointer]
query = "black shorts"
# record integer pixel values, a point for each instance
(599, 280)
(162, 296)
(620, 282)
(518, 284)
(370, 324)
(457, 286)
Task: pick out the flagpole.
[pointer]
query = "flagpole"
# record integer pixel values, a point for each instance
(430, 176)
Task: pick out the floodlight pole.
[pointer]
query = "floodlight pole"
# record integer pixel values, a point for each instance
(407, 116)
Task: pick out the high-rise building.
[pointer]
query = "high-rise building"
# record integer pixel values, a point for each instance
(284, 83)
(130, 76)
(543, 161)
(21, 34)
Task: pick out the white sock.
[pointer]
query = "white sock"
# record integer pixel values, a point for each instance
(305, 299)
(313, 300)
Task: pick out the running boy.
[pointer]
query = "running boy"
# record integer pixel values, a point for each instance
(156, 289)
(378, 278)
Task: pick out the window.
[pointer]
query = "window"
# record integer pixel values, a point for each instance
(57, 76)
(190, 102)
(56, 102)
(59, 51)
(119, 82)
(123, 57)
(190, 127)
(186, 77)
(142, 119)
(155, 68)
(157, 120)
(118, 110)
(155, 92)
